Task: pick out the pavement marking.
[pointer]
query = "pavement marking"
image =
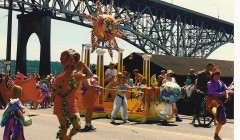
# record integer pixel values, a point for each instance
(144, 129)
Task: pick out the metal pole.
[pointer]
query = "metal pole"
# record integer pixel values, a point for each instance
(9, 36)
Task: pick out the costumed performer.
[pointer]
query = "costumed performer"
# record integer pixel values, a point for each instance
(120, 100)
(216, 91)
(13, 117)
(65, 89)
(171, 79)
(90, 93)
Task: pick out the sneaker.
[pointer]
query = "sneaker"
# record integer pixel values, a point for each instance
(178, 119)
(126, 121)
(85, 129)
(91, 128)
(112, 120)
(216, 137)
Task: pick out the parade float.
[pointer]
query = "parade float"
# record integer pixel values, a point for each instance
(148, 104)
(144, 104)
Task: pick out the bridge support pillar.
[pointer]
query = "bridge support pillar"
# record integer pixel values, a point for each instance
(39, 23)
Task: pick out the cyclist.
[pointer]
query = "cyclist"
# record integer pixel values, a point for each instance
(201, 89)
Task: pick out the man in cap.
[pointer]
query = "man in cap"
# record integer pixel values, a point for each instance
(110, 73)
(137, 77)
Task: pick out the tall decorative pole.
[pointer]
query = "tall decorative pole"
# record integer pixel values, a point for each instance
(120, 60)
(100, 71)
(9, 39)
(87, 54)
(146, 67)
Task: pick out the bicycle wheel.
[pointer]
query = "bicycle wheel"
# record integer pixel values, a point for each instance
(204, 118)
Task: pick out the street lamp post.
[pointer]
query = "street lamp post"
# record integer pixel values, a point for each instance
(9, 39)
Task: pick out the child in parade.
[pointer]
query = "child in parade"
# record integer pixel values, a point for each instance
(90, 93)
(120, 100)
(216, 91)
(65, 89)
(13, 117)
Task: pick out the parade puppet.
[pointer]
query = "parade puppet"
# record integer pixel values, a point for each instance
(28, 88)
(170, 93)
(105, 28)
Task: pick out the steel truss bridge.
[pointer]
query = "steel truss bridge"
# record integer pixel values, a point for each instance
(153, 26)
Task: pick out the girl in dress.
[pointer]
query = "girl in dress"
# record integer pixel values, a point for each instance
(13, 117)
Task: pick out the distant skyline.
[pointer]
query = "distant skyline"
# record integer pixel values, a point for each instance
(66, 35)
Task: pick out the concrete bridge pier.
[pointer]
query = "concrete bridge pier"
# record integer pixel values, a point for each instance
(39, 23)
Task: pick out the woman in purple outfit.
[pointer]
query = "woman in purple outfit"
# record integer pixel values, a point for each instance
(216, 92)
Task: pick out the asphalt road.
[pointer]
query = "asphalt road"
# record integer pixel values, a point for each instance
(45, 126)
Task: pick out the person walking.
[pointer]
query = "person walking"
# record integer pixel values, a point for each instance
(65, 89)
(13, 117)
(216, 91)
(90, 92)
(170, 78)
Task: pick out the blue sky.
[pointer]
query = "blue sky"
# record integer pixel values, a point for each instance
(67, 35)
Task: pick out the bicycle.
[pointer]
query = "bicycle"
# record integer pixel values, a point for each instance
(205, 118)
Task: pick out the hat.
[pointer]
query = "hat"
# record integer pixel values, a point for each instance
(119, 74)
(112, 63)
(162, 71)
(170, 71)
(215, 70)
(48, 76)
(69, 57)
(95, 76)
(191, 69)
(135, 70)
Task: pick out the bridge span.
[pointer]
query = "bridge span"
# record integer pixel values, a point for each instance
(153, 26)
